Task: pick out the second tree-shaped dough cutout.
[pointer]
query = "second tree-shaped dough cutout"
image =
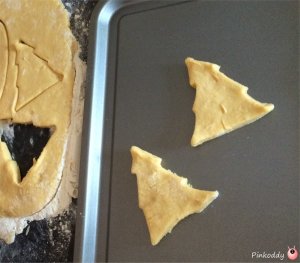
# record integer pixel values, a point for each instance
(164, 197)
(221, 104)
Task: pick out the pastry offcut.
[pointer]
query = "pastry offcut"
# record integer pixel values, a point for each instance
(221, 104)
(164, 197)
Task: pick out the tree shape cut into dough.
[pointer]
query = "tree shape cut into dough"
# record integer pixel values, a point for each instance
(164, 197)
(221, 104)
(3, 56)
(34, 75)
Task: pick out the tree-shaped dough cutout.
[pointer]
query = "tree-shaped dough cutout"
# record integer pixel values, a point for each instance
(221, 104)
(164, 197)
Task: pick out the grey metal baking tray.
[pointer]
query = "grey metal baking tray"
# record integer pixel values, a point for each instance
(138, 94)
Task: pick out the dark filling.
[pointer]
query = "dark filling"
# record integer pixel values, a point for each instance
(28, 143)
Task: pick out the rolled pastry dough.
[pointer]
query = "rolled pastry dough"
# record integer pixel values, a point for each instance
(38, 48)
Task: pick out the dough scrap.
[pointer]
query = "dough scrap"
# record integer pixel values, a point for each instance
(37, 89)
(221, 104)
(164, 197)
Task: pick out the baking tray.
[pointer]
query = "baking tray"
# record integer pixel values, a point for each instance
(138, 94)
